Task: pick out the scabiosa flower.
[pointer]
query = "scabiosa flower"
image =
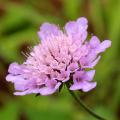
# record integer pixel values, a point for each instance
(61, 57)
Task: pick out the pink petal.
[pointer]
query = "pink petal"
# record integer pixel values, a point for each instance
(94, 42)
(87, 86)
(49, 90)
(14, 68)
(71, 27)
(12, 78)
(75, 86)
(77, 29)
(20, 85)
(90, 64)
(27, 92)
(83, 22)
(47, 29)
(84, 86)
(64, 76)
(73, 67)
(78, 75)
(90, 75)
(103, 46)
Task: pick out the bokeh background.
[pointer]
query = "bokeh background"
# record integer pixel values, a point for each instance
(19, 23)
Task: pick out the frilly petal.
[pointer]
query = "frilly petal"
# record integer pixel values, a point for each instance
(89, 64)
(81, 81)
(51, 87)
(47, 29)
(19, 82)
(27, 92)
(93, 64)
(12, 78)
(14, 68)
(94, 42)
(103, 46)
(71, 27)
(77, 29)
(73, 67)
(90, 75)
(87, 86)
(64, 76)
(84, 86)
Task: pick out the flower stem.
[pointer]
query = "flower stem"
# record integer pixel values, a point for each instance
(83, 105)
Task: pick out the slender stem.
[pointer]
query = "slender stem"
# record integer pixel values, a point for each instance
(83, 105)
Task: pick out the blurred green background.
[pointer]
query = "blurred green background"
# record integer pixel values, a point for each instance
(19, 23)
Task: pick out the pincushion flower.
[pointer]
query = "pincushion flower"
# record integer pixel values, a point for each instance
(61, 57)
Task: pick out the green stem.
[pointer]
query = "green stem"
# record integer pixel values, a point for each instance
(83, 105)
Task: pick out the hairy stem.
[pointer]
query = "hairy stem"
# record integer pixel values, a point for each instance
(79, 101)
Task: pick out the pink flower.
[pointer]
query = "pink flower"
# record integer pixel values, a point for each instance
(58, 59)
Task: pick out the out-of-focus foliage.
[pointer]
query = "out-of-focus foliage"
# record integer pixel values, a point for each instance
(19, 23)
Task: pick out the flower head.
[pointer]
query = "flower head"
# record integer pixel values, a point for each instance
(61, 57)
